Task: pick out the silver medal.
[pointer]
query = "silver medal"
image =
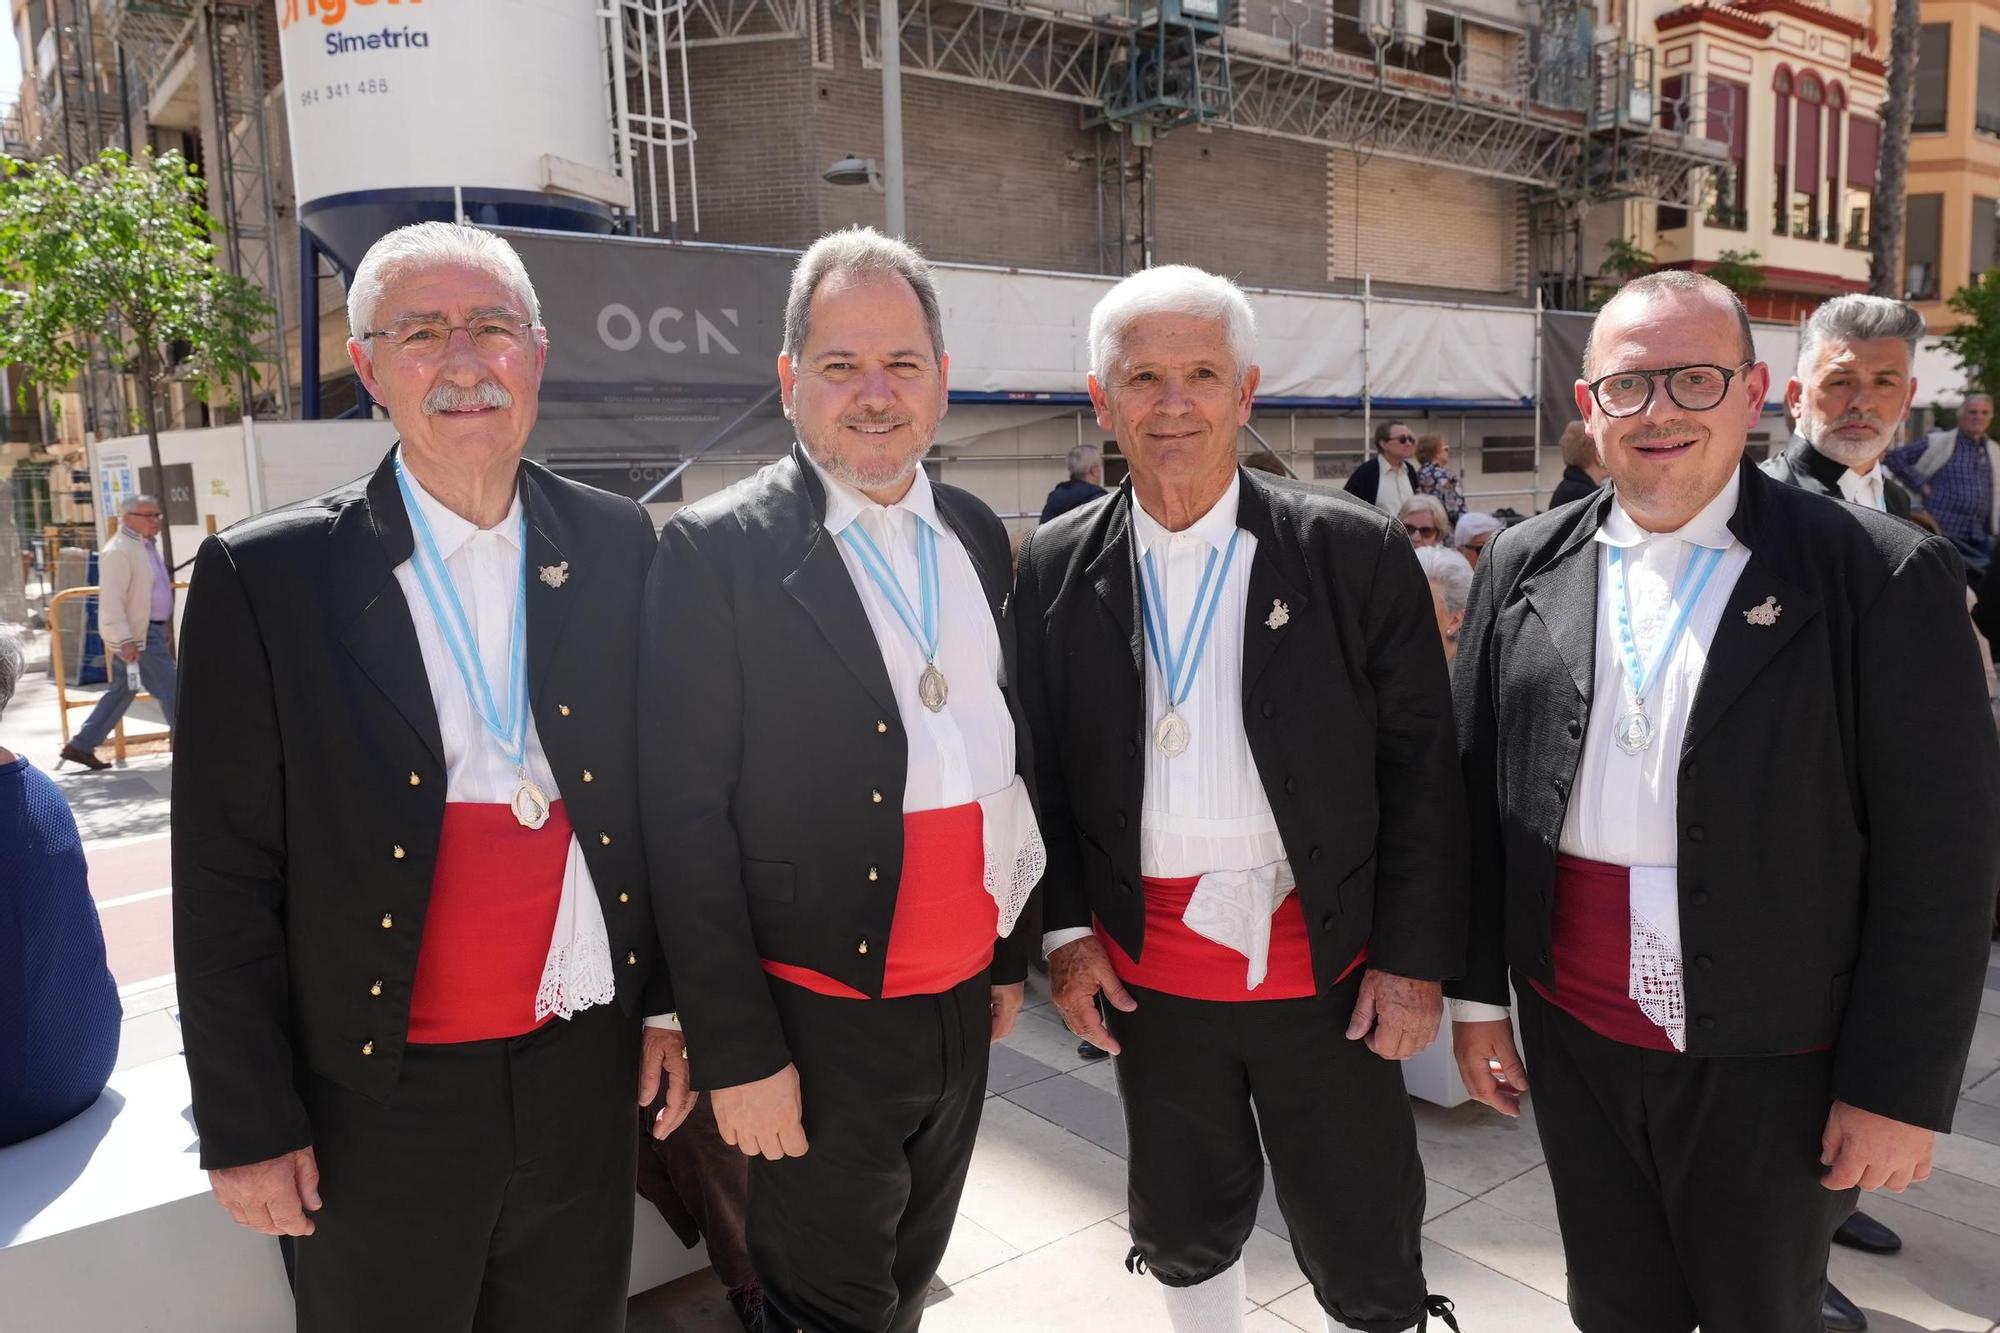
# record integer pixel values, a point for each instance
(931, 688)
(530, 804)
(1634, 732)
(1171, 735)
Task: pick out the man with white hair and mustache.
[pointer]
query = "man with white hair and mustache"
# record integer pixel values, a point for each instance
(840, 836)
(411, 931)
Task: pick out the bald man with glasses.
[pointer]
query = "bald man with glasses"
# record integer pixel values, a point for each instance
(135, 613)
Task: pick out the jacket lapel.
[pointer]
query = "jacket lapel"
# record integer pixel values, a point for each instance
(1277, 576)
(993, 582)
(549, 600)
(821, 585)
(1563, 593)
(382, 639)
(1111, 573)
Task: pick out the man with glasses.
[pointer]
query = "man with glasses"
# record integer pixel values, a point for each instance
(1389, 478)
(411, 928)
(135, 614)
(1631, 670)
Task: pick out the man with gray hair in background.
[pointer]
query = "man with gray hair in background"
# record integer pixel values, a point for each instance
(1848, 401)
(1084, 484)
(840, 837)
(1956, 473)
(135, 616)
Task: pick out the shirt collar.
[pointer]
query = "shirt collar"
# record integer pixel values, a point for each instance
(844, 503)
(449, 531)
(1709, 527)
(1215, 527)
(134, 534)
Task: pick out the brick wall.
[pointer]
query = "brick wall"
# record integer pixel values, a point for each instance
(1421, 224)
(1245, 205)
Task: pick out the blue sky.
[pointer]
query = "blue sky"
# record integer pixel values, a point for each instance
(10, 66)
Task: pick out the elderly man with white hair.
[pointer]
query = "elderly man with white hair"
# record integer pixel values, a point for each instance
(411, 931)
(1236, 697)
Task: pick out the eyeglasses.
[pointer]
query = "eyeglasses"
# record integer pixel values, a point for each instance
(1403, 439)
(1627, 393)
(142, 513)
(426, 337)
(1420, 529)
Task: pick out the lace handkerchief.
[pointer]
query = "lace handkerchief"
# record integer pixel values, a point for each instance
(1234, 908)
(1015, 856)
(1654, 981)
(578, 973)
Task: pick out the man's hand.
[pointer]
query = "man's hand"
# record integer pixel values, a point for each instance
(1489, 1065)
(1873, 1151)
(1006, 1007)
(271, 1196)
(762, 1117)
(663, 1054)
(128, 652)
(1077, 973)
(1402, 1012)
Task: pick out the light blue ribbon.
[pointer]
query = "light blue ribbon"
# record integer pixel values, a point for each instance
(1698, 572)
(509, 729)
(1178, 669)
(922, 620)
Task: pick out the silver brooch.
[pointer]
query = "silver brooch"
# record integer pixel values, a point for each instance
(1281, 615)
(556, 575)
(1767, 614)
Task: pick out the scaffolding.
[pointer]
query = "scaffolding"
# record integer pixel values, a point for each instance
(237, 47)
(646, 46)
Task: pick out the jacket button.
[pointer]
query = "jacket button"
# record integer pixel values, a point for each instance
(1705, 1023)
(1291, 785)
(1692, 770)
(1326, 922)
(387, 921)
(631, 958)
(398, 853)
(1543, 958)
(415, 781)
(624, 897)
(881, 727)
(1562, 788)
(375, 989)
(1696, 833)
(1704, 962)
(874, 873)
(1315, 855)
(1575, 727)
(1699, 898)
(588, 776)
(563, 709)
(368, 1048)
(1122, 821)
(861, 947)
(1131, 749)
(875, 796)
(604, 839)
(1126, 886)
(1269, 709)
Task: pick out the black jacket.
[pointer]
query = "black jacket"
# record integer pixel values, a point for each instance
(1838, 848)
(1575, 485)
(1366, 479)
(1346, 705)
(773, 758)
(1803, 466)
(1068, 495)
(309, 787)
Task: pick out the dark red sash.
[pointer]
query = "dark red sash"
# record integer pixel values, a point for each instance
(945, 921)
(1591, 948)
(486, 932)
(1179, 962)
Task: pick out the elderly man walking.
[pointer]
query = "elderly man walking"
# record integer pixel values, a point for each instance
(411, 931)
(1735, 1011)
(840, 837)
(135, 617)
(1957, 474)
(1244, 750)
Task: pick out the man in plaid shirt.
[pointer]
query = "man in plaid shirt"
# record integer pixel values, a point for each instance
(1953, 473)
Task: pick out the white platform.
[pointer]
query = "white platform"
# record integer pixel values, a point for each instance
(107, 1226)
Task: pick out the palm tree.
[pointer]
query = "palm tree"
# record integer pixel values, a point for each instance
(1885, 233)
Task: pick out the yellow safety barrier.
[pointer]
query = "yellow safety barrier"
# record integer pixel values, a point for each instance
(64, 703)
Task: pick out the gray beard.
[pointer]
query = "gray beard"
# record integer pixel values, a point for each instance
(846, 473)
(1856, 454)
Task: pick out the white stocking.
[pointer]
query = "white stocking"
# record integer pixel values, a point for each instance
(1214, 1306)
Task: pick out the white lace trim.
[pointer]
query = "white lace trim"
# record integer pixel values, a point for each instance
(1015, 854)
(578, 972)
(1234, 909)
(1654, 980)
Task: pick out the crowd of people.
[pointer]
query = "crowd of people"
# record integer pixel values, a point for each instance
(520, 852)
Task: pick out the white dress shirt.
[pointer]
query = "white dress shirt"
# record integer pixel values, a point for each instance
(964, 752)
(1863, 488)
(1393, 490)
(1204, 811)
(485, 568)
(1623, 810)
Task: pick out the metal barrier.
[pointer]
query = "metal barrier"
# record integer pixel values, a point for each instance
(64, 703)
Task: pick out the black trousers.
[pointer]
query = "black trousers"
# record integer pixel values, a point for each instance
(847, 1238)
(494, 1193)
(1687, 1188)
(1201, 1078)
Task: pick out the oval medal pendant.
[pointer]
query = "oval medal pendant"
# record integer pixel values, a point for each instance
(530, 805)
(931, 688)
(1634, 732)
(1171, 736)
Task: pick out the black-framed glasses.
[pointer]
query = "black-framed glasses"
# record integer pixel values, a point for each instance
(1698, 388)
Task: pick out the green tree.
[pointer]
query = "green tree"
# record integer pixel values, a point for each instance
(1623, 261)
(1739, 271)
(1976, 342)
(120, 250)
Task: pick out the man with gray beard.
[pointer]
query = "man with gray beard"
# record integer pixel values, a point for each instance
(1848, 401)
(840, 837)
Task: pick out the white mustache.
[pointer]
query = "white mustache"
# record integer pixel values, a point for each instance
(452, 398)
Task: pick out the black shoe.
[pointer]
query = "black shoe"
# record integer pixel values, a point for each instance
(1862, 1232)
(1087, 1051)
(748, 1302)
(71, 754)
(1840, 1315)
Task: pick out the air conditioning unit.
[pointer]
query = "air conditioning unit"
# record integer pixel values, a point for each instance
(1399, 21)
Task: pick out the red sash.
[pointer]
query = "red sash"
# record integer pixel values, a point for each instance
(945, 921)
(486, 932)
(1591, 949)
(1179, 962)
